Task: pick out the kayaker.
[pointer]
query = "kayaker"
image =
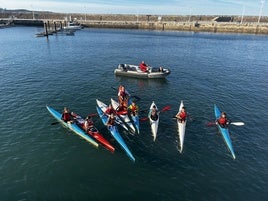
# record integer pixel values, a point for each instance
(88, 123)
(109, 110)
(122, 108)
(111, 120)
(222, 120)
(182, 115)
(122, 95)
(154, 113)
(133, 109)
(144, 67)
(67, 115)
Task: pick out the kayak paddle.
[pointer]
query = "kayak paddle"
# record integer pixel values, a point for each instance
(233, 123)
(166, 108)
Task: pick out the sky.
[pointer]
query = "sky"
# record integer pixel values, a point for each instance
(154, 7)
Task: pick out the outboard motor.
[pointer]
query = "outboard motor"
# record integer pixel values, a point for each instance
(121, 66)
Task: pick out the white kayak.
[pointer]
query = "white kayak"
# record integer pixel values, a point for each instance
(181, 129)
(103, 107)
(123, 116)
(154, 122)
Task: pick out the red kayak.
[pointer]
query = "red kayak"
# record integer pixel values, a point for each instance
(94, 133)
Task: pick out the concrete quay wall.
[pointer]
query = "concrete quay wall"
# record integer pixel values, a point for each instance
(216, 27)
(248, 25)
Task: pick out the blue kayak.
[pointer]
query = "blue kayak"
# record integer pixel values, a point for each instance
(114, 132)
(224, 132)
(72, 126)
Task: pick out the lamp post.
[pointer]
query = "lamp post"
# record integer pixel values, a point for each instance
(85, 14)
(32, 11)
(148, 17)
(260, 13)
(243, 13)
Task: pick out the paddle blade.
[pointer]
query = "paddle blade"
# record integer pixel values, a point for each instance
(166, 108)
(238, 123)
(54, 123)
(92, 115)
(143, 119)
(211, 124)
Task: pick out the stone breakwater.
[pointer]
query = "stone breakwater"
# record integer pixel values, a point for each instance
(235, 24)
(216, 27)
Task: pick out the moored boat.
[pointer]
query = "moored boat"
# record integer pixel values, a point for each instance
(153, 121)
(72, 126)
(115, 133)
(224, 132)
(181, 128)
(129, 70)
(72, 26)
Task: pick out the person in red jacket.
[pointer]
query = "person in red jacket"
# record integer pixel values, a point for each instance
(88, 123)
(182, 115)
(122, 96)
(143, 66)
(67, 115)
(154, 113)
(110, 120)
(222, 120)
(109, 110)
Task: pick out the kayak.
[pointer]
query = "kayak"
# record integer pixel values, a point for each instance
(114, 132)
(135, 118)
(224, 132)
(103, 107)
(94, 133)
(154, 123)
(181, 129)
(123, 115)
(72, 126)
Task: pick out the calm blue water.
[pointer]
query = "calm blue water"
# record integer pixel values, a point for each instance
(40, 161)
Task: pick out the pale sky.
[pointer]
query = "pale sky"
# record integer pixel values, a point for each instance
(156, 7)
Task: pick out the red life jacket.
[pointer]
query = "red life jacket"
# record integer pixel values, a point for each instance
(109, 111)
(89, 123)
(143, 67)
(111, 121)
(183, 115)
(222, 120)
(66, 116)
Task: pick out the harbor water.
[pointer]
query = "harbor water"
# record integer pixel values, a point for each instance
(44, 161)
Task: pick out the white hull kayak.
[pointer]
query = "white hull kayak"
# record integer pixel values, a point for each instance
(103, 107)
(124, 117)
(181, 129)
(154, 123)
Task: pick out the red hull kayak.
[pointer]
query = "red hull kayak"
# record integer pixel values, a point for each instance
(95, 134)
